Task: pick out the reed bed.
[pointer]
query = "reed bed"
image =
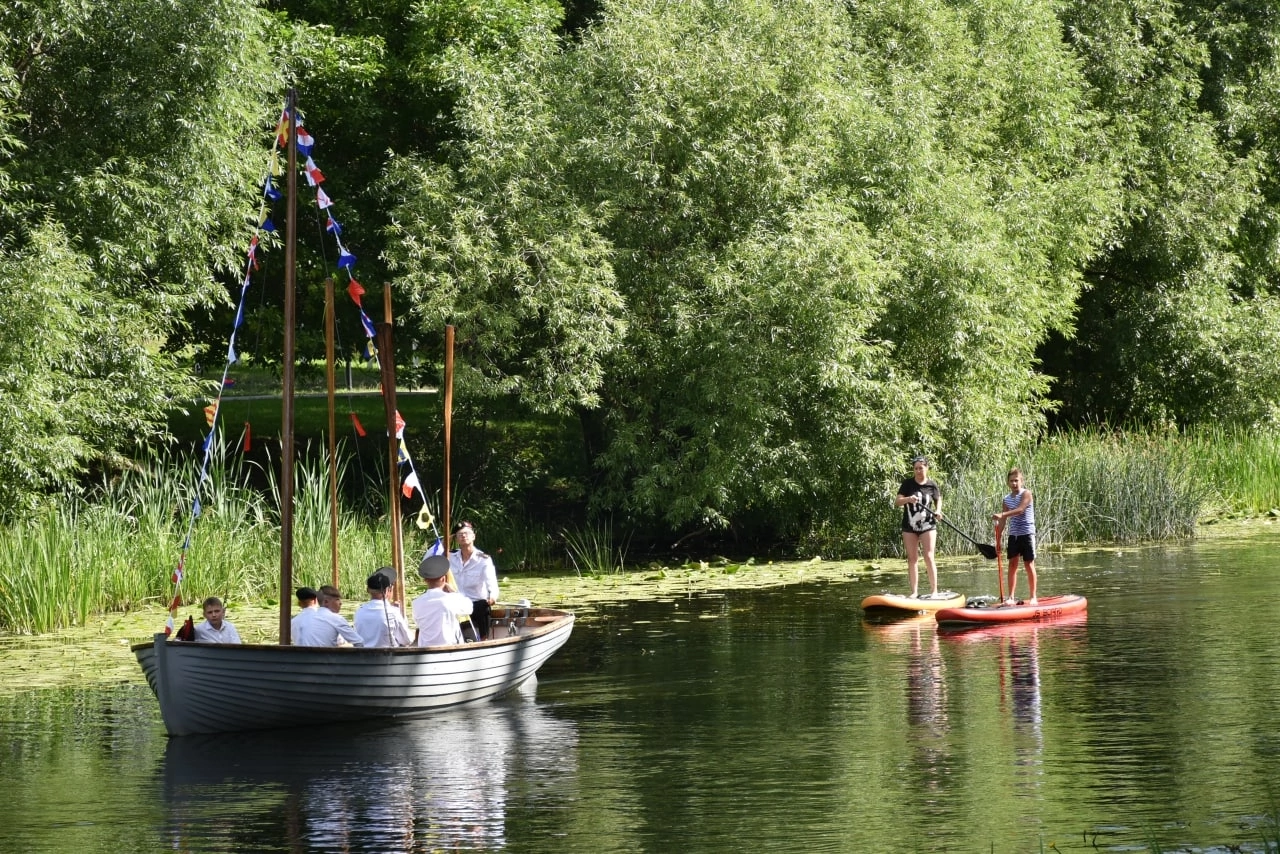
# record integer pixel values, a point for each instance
(116, 548)
(1093, 486)
(594, 551)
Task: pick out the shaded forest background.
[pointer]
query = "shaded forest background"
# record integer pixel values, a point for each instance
(749, 256)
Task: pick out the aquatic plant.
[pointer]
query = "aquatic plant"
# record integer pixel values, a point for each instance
(592, 550)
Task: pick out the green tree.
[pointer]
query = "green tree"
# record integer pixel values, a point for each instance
(123, 137)
(1177, 323)
(766, 249)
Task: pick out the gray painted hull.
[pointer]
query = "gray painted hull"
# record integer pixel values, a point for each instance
(205, 688)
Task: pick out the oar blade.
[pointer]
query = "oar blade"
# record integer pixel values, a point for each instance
(988, 550)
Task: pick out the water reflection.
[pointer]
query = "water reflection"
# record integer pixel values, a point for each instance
(916, 638)
(1015, 650)
(441, 783)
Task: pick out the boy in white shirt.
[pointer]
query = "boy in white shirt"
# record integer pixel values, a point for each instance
(215, 629)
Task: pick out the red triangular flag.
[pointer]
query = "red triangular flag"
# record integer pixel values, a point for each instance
(355, 291)
(359, 427)
(248, 440)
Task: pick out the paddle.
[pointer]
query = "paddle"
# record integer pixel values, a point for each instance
(988, 551)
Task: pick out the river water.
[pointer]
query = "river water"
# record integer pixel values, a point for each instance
(770, 720)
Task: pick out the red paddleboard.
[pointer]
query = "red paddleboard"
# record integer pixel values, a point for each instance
(1021, 629)
(1048, 608)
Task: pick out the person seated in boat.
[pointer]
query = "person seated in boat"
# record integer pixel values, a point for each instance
(436, 611)
(921, 502)
(379, 621)
(331, 598)
(476, 575)
(216, 628)
(316, 626)
(1019, 516)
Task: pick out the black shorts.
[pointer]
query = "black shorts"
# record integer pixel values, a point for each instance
(1023, 546)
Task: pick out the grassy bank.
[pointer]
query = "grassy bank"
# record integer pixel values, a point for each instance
(115, 551)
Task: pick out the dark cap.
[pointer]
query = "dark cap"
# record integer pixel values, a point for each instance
(433, 567)
(383, 579)
(307, 594)
(458, 527)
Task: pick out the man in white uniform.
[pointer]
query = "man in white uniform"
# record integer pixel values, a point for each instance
(436, 612)
(379, 621)
(316, 626)
(476, 576)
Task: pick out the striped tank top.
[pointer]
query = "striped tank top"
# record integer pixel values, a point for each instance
(1024, 522)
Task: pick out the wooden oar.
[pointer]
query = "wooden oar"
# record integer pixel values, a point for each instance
(1000, 564)
(988, 551)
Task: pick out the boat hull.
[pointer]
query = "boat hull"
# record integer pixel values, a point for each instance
(889, 604)
(1048, 608)
(208, 688)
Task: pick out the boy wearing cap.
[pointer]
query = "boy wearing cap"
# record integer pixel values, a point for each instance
(436, 612)
(316, 626)
(378, 621)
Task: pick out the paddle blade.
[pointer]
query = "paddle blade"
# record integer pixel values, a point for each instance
(988, 551)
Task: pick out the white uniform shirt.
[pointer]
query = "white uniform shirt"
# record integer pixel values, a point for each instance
(206, 633)
(321, 627)
(380, 624)
(436, 614)
(477, 578)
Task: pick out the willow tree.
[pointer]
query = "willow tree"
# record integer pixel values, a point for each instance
(1179, 322)
(123, 130)
(765, 250)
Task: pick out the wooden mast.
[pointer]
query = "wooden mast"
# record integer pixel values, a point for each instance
(286, 410)
(387, 362)
(329, 358)
(446, 503)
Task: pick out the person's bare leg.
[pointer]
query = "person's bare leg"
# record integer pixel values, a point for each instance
(927, 540)
(1031, 582)
(1013, 577)
(911, 545)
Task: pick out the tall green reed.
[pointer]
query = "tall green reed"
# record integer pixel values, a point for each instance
(592, 549)
(1092, 486)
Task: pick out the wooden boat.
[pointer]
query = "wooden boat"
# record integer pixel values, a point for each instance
(210, 688)
(207, 688)
(1048, 608)
(891, 604)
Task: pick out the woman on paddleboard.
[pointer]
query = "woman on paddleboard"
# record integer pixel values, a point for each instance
(921, 501)
(1020, 516)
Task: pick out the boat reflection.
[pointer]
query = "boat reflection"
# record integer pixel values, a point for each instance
(442, 783)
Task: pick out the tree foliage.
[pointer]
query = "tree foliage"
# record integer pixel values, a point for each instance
(786, 243)
(1177, 324)
(122, 135)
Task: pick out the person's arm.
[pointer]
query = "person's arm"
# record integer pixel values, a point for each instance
(491, 579)
(905, 497)
(345, 629)
(402, 628)
(1023, 504)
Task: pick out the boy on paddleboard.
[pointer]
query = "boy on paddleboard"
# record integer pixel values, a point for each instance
(1020, 516)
